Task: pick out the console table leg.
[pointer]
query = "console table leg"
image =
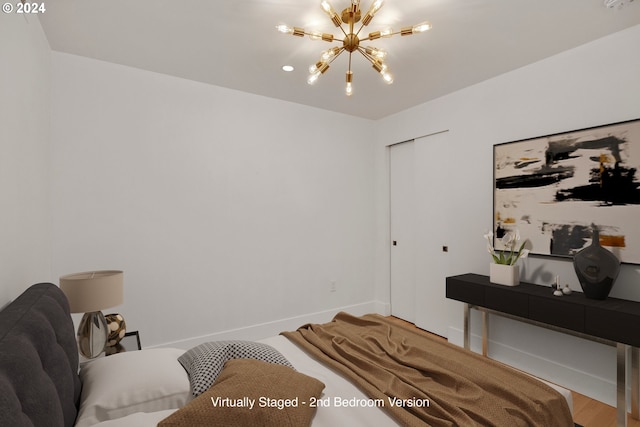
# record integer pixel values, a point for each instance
(635, 382)
(621, 384)
(485, 333)
(466, 333)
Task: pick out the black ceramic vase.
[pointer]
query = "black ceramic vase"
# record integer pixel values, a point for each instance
(597, 268)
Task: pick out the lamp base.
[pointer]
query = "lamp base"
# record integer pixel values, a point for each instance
(92, 334)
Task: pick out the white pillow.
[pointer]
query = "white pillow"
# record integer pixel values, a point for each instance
(138, 381)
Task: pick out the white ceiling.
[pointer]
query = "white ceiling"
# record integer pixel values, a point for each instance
(234, 44)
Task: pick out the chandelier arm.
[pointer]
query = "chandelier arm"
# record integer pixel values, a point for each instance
(369, 38)
(379, 66)
(337, 54)
(323, 36)
(343, 31)
(366, 55)
(351, 24)
(333, 58)
(406, 31)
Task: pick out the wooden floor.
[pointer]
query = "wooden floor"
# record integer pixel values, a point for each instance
(592, 413)
(586, 411)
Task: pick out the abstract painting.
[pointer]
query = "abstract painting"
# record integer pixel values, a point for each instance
(553, 189)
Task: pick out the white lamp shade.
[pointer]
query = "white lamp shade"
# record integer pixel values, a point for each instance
(93, 290)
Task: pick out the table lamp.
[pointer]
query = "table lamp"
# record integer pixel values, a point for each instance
(88, 293)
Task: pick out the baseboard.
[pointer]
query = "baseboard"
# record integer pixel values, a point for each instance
(383, 308)
(268, 329)
(598, 388)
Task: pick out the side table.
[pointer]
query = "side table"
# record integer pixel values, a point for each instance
(613, 322)
(130, 342)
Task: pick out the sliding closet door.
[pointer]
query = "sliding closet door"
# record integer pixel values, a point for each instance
(432, 174)
(402, 210)
(418, 226)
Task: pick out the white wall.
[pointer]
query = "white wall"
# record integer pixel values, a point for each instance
(25, 243)
(591, 85)
(224, 209)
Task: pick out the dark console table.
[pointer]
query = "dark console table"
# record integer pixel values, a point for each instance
(612, 321)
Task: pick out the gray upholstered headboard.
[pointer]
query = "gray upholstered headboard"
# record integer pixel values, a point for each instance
(39, 382)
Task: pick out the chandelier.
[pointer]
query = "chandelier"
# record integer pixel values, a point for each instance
(351, 40)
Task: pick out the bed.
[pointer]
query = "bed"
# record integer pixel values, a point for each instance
(355, 371)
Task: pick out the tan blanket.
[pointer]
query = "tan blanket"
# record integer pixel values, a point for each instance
(437, 383)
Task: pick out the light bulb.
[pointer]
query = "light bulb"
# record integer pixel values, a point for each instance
(348, 90)
(355, 6)
(375, 52)
(418, 28)
(387, 32)
(290, 30)
(387, 76)
(313, 77)
(326, 6)
(375, 6)
(422, 27)
(328, 54)
(315, 35)
(321, 68)
(284, 29)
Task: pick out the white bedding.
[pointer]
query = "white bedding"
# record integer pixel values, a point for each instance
(346, 404)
